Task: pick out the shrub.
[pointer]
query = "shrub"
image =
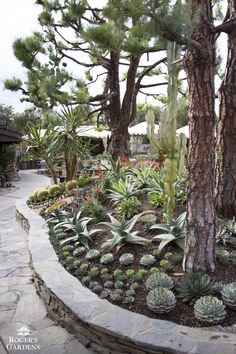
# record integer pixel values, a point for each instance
(161, 300)
(228, 294)
(71, 185)
(54, 190)
(107, 258)
(126, 259)
(209, 309)
(128, 207)
(147, 260)
(159, 279)
(195, 285)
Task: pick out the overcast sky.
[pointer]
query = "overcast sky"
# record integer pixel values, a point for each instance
(18, 18)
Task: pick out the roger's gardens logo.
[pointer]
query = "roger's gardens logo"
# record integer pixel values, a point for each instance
(23, 341)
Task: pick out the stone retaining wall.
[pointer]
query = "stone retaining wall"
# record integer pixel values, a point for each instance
(102, 327)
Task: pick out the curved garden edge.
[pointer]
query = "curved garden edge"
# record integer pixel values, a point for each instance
(102, 326)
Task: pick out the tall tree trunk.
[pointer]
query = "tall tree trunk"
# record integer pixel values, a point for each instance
(52, 171)
(199, 251)
(121, 115)
(226, 130)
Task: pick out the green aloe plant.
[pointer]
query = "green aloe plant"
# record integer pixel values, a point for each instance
(122, 233)
(79, 226)
(175, 231)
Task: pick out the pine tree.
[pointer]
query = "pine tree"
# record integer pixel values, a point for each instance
(226, 128)
(107, 39)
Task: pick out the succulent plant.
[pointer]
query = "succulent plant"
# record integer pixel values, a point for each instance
(130, 273)
(141, 273)
(71, 185)
(195, 285)
(69, 260)
(104, 294)
(108, 284)
(107, 258)
(154, 270)
(119, 284)
(126, 259)
(42, 194)
(165, 265)
(83, 269)
(223, 257)
(209, 309)
(161, 300)
(94, 272)
(116, 295)
(92, 284)
(92, 254)
(147, 260)
(66, 248)
(118, 274)
(130, 292)
(54, 190)
(105, 274)
(65, 254)
(76, 263)
(168, 255)
(128, 299)
(177, 258)
(86, 280)
(134, 285)
(78, 251)
(228, 294)
(156, 253)
(159, 279)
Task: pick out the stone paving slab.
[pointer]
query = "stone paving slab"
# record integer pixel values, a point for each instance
(20, 306)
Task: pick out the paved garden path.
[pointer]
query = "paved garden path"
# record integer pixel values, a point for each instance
(20, 306)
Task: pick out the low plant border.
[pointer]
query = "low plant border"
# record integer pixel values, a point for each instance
(98, 324)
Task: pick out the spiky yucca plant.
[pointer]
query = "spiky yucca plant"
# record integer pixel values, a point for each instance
(228, 294)
(209, 309)
(161, 300)
(159, 279)
(194, 285)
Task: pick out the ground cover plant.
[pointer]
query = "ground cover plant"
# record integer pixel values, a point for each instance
(134, 258)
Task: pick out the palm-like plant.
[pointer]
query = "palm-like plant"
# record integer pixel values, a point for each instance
(123, 189)
(122, 233)
(175, 231)
(68, 141)
(79, 226)
(39, 146)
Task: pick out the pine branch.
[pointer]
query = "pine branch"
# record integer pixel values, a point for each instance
(153, 85)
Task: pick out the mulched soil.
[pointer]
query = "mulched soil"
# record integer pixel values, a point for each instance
(182, 313)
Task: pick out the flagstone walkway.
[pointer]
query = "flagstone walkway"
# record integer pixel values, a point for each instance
(20, 306)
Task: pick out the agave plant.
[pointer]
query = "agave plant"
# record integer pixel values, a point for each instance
(228, 294)
(155, 184)
(142, 175)
(123, 189)
(79, 226)
(161, 300)
(194, 285)
(209, 309)
(58, 216)
(175, 231)
(122, 233)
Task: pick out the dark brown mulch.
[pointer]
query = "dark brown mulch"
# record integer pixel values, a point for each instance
(182, 313)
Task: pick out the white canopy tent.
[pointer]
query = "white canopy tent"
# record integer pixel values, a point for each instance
(184, 130)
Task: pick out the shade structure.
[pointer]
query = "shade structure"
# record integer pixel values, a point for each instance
(8, 137)
(141, 129)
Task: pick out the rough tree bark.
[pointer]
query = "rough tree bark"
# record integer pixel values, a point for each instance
(226, 129)
(199, 254)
